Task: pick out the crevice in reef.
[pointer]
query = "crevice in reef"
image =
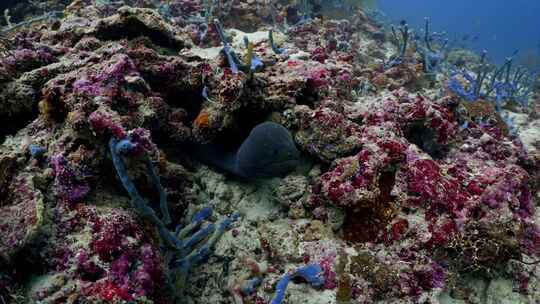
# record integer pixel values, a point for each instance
(28, 263)
(189, 100)
(134, 28)
(16, 122)
(364, 224)
(248, 118)
(307, 97)
(426, 139)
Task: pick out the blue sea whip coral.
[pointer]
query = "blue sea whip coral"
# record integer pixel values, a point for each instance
(402, 44)
(506, 83)
(312, 273)
(227, 49)
(432, 57)
(182, 251)
(253, 62)
(512, 85)
(275, 48)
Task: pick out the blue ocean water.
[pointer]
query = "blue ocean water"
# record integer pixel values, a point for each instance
(499, 26)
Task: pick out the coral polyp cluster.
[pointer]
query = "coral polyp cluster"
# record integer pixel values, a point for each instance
(377, 170)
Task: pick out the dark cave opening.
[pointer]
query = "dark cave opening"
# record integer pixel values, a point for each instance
(307, 96)
(426, 139)
(246, 119)
(134, 28)
(27, 263)
(16, 122)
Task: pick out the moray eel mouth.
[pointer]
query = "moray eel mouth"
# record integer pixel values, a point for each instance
(270, 169)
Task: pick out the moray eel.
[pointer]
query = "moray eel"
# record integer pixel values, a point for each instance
(268, 151)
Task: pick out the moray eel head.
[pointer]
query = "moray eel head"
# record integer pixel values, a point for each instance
(269, 151)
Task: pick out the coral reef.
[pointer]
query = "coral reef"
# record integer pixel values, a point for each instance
(373, 166)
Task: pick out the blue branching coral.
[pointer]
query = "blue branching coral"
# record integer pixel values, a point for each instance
(432, 57)
(252, 62)
(468, 92)
(277, 50)
(513, 85)
(402, 43)
(227, 49)
(190, 252)
(36, 151)
(126, 147)
(184, 248)
(501, 84)
(312, 273)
